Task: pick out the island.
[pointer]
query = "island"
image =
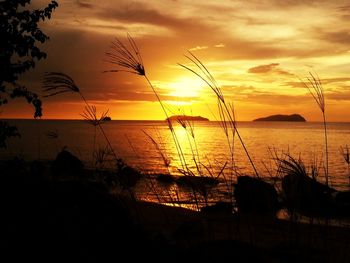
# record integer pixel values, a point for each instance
(186, 118)
(280, 117)
(107, 118)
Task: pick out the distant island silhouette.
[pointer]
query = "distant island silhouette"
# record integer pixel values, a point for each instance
(280, 117)
(107, 118)
(186, 118)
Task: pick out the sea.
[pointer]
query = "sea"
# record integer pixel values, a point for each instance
(203, 147)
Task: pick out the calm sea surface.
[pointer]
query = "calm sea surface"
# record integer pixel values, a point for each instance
(131, 144)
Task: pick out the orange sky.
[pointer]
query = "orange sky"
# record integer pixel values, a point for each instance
(255, 50)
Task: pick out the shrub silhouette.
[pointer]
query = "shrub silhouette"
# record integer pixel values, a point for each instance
(20, 34)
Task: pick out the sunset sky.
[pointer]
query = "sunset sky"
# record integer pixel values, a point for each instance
(256, 50)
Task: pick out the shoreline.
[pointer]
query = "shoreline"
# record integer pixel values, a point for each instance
(80, 205)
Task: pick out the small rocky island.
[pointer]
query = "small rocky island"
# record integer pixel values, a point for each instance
(280, 117)
(186, 118)
(107, 118)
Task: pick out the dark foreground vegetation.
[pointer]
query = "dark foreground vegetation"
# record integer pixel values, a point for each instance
(60, 211)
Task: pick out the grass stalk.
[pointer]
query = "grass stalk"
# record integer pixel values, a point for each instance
(314, 86)
(57, 83)
(224, 110)
(165, 159)
(130, 60)
(189, 129)
(345, 153)
(170, 125)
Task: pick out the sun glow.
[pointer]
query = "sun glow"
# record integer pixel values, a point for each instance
(179, 102)
(185, 88)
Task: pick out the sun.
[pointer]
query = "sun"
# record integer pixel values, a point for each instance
(185, 87)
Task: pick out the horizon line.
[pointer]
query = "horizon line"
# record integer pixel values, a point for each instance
(72, 119)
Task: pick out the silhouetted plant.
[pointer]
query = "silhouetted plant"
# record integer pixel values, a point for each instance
(7, 131)
(225, 110)
(90, 115)
(314, 86)
(189, 129)
(101, 157)
(121, 56)
(164, 157)
(131, 145)
(130, 60)
(303, 193)
(345, 153)
(20, 36)
(291, 166)
(55, 83)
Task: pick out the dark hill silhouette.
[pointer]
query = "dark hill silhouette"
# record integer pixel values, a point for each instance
(186, 118)
(280, 117)
(107, 118)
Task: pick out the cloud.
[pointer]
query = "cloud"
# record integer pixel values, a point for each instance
(277, 99)
(84, 4)
(344, 8)
(339, 95)
(122, 95)
(325, 81)
(339, 37)
(335, 80)
(138, 12)
(269, 68)
(198, 48)
(263, 68)
(231, 37)
(256, 95)
(219, 45)
(294, 84)
(235, 90)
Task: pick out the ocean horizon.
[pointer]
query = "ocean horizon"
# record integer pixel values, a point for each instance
(160, 120)
(128, 138)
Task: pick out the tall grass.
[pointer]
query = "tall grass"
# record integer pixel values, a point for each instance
(345, 153)
(226, 110)
(291, 166)
(90, 115)
(101, 156)
(188, 126)
(314, 86)
(165, 159)
(130, 60)
(55, 83)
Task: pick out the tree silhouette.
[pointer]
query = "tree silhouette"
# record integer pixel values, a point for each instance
(19, 36)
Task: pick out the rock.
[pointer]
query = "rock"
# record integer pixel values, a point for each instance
(342, 200)
(200, 184)
(67, 164)
(165, 178)
(127, 176)
(218, 208)
(255, 196)
(107, 118)
(307, 196)
(195, 181)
